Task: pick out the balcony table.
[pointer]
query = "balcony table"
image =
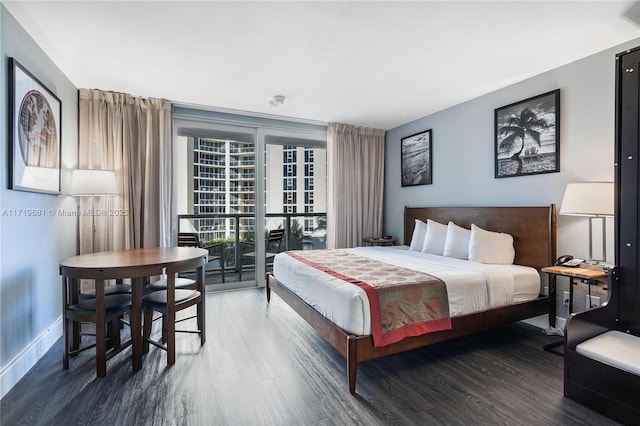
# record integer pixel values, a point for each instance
(135, 264)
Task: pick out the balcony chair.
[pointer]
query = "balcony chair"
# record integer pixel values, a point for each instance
(273, 246)
(172, 300)
(216, 250)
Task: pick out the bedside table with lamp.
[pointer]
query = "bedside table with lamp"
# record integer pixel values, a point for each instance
(595, 201)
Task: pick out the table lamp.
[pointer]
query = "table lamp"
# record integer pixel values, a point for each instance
(593, 200)
(89, 183)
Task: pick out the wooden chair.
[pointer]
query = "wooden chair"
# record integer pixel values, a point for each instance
(106, 320)
(186, 239)
(273, 246)
(170, 301)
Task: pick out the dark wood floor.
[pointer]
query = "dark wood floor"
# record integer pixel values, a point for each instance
(264, 365)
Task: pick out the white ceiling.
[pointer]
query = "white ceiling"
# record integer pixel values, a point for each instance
(368, 63)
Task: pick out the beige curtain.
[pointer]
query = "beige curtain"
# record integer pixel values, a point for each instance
(355, 168)
(131, 136)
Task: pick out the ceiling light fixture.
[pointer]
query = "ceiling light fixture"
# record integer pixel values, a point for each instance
(276, 100)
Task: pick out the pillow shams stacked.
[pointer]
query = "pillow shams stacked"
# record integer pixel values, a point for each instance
(451, 240)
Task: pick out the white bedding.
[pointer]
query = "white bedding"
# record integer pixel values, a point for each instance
(471, 286)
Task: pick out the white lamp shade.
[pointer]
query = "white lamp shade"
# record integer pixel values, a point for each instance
(588, 199)
(93, 182)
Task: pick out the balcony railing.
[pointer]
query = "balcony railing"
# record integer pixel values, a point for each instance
(242, 163)
(217, 149)
(245, 175)
(242, 188)
(248, 150)
(211, 175)
(239, 233)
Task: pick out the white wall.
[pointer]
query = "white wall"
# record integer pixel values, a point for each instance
(463, 150)
(32, 247)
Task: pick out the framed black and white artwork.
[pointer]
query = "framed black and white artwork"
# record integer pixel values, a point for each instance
(416, 159)
(527, 136)
(34, 133)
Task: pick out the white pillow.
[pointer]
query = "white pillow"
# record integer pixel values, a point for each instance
(457, 243)
(417, 239)
(491, 247)
(435, 238)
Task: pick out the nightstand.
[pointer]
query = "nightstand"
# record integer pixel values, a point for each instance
(580, 277)
(379, 241)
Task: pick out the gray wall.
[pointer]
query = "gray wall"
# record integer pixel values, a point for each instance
(463, 150)
(31, 247)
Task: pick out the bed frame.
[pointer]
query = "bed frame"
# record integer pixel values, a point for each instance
(534, 233)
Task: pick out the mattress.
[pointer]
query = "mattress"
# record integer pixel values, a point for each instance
(471, 286)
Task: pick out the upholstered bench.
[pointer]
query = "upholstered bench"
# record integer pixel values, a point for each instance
(615, 348)
(602, 368)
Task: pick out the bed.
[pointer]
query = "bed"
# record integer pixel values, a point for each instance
(534, 234)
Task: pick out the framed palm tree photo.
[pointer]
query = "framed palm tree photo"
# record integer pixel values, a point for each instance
(527, 136)
(415, 159)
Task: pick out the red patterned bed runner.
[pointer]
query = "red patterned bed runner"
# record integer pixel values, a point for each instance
(402, 302)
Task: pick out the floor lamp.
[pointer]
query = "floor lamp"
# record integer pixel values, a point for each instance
(593, 200)
(92, 183)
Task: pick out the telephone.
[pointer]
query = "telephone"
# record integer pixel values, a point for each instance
(569, 261)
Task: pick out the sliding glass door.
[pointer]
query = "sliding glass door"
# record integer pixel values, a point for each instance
(249, 192)
(296, 196)
(217, 199)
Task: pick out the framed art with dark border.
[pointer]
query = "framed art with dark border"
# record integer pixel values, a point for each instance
(527, 136)
(35, 114)
(416, 159)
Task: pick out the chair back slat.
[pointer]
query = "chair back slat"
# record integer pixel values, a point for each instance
(274, 238)
(188, 239)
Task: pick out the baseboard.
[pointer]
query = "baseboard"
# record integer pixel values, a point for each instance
(15, 369)
(561, 322)
(542, 322)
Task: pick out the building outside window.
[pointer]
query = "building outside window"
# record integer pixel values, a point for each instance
(223, 181)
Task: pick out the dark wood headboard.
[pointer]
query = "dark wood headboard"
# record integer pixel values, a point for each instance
(533, 228)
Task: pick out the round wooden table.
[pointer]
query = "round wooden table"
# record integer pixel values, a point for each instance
(135, 264)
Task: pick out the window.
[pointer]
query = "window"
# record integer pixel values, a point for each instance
(308, 156)
(289, 197)
(234, 156)
(308, 184)
(308, 197)
(308, 225)
(290, 170)
(290, 184)
(308, 169)
(289, 154)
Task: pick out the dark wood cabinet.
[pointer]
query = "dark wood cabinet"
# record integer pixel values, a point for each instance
(610, 390)
(627, 218)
